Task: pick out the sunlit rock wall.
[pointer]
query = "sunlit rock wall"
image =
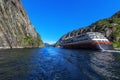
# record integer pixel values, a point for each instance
(16, 30)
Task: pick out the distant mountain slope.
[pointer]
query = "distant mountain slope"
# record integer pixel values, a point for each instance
(16, 30)
(110, 27)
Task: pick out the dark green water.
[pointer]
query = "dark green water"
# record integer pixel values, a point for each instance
(58, 64)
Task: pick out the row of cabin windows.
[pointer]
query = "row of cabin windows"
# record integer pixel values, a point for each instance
(98, 36)
(102, 41)
(72, 35)
(68, 41)
(83, 39)
(80, 36)
(93, 36)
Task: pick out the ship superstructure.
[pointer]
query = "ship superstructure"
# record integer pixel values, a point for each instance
(89, 40)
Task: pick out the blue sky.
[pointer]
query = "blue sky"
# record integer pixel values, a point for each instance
(53, 18)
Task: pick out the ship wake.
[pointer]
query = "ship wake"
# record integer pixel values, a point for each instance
(114, 51)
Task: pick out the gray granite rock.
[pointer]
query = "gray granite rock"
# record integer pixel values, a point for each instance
(16, 30)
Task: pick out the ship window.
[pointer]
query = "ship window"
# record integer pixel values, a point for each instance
(79, 37)
(91, 36)
(106, 41)
(68, 41)
(79, 33)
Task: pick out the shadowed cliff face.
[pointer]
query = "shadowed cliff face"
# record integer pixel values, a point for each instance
(110, 27)
(16, 30)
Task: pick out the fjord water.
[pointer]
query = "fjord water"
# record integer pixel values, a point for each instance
(58, 64)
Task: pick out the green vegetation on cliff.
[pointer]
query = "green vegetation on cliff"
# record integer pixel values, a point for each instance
(36, 42)
(39, 41)
(110, 27)
(27, 40)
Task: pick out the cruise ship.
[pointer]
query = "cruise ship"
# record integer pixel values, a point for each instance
(88, 40)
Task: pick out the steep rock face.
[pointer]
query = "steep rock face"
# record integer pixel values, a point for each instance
(110, 27)
(16, 30)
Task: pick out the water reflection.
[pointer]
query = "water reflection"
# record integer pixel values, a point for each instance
(14, 64)
(58, 64)
(102, 63)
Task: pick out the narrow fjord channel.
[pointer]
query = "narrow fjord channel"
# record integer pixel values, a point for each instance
(58, 64)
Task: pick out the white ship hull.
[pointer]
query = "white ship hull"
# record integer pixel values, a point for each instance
(85, 42)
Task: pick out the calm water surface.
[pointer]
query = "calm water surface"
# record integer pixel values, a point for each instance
(58, 64)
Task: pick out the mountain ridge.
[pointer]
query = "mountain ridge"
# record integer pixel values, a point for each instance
(110, 27)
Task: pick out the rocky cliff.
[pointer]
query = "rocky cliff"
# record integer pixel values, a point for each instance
(16, 30)
(110, 27)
